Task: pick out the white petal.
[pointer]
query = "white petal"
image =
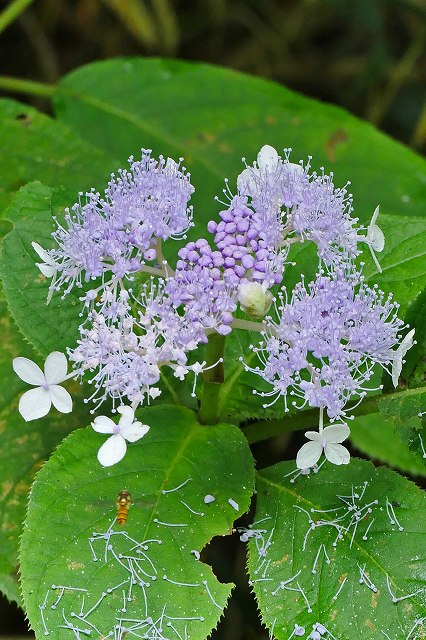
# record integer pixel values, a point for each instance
(135, 431)
(28, 371)
(61, 399)
(375, 216)
(405, 345)
(267, 158)
(112, 451)
(55, 367)
(103, 424)
(42, 253)
(246, 181)
(376, 238)
(337, 454)
(313, 435)
(127, 416)
(308, 455)
(396, 368)
(336, 433)
(35, 404)
(46, 269)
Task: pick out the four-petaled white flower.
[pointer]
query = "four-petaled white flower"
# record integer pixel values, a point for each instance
(114, 449)
(399, 354)
(327, 440)
(37, 402)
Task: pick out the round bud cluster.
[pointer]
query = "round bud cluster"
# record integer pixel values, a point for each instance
(246, 256)
(200, 284)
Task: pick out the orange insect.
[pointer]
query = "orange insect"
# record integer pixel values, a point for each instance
(124, 501)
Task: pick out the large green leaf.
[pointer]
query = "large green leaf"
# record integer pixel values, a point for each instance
(23, 448)
(168, 473)
(215, 116)
(36, 147)
(356, 586)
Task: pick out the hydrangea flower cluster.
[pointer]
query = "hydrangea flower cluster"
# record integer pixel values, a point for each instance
(319, 345)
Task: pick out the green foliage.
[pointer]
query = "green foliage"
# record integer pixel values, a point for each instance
(50, 327)
(219, 463)
(23, 449)
(403, 411)
(214, 116)
(211, 117)
(389, 550)
(378, 438)
(36, 147)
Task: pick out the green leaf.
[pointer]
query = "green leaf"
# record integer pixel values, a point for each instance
(52, 327)
(237, 401)
(23, 448)
(403, 411)
(36, 147)
(295, 549)
(74, 496)
(377, 438)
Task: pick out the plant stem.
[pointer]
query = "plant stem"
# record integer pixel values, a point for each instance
(19, 85)
(212, 379)
(247, 325)
(13, 11)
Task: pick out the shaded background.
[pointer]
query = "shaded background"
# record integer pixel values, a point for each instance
(368, 56)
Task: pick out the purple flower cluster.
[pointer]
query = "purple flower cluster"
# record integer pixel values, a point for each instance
(114, 235)
(323, 348)
(325, 340)
(301, 206)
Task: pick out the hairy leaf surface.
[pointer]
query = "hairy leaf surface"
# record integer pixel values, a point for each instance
(343, 548)
(153, 557)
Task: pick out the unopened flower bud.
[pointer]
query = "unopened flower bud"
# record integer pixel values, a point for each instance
(253, 299)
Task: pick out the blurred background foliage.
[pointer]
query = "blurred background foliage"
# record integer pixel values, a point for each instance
(368, 56)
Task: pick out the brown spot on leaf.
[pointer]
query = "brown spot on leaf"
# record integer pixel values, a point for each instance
(224, 148)
(204, 136)
(337, 137)
(5, 488)
(271, 120)
(72, 566)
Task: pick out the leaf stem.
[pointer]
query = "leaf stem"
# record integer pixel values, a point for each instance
(212, 379)
(20, 85)
(13, 11)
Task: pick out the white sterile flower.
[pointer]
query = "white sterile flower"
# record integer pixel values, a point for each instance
(48, 267)
(268, 161)
(36, 403)
(375, 238)
(327, 440)
(398, 358)
(114, 449)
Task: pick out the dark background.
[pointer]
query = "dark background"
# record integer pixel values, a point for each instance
(368, 56)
